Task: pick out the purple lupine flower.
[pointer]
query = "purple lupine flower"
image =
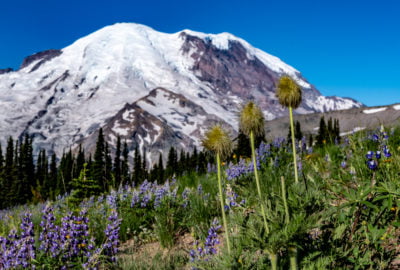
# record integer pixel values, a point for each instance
(26, 244)
(112, 242)
(185, 197)
(378, 154)
(370, 155)
(145, 200)
(112, 199)
(372, 164)
(49, 237)
(386, 151)
(209, 247)
(135, 198)
(343, 164)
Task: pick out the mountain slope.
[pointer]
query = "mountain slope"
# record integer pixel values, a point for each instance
(63, 97)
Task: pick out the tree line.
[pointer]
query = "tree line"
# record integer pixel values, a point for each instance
(24, 178)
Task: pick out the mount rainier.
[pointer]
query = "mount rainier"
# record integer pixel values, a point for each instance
(155, 90)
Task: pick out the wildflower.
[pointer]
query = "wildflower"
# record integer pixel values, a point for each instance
(378, 154)
(372, 164)
(369, 155)
(343, 164)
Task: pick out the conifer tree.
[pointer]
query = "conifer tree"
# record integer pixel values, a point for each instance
(53, 192)
(84, 187)
(125, 177)
(160, 168)
(137, 167)
(172, 162)
(322, 132)
(80, 160)
(117, 163)
(98, 169)
(107, 167)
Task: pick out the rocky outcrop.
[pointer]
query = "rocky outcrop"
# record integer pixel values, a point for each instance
(40, 58)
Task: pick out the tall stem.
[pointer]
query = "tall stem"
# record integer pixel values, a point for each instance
(293, 258)
(287, 218)
(253, 154)
(296, 177)
(274, 261)
(221, 198)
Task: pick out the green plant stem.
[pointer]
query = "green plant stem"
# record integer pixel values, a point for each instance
(287, 218)
(253, 154)
(274, 261)
(296, 176)
(221, 198)
(293, 258)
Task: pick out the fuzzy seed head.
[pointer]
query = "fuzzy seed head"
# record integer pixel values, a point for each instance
(217, 140)
(251, 119)
(288, 92)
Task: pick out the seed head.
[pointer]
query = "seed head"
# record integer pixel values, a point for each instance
(252, 119)
(288, 92)
(217, 140)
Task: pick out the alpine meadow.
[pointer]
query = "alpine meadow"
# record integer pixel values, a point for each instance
(136, 149)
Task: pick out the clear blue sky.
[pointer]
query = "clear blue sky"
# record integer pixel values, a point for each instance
(345, 48)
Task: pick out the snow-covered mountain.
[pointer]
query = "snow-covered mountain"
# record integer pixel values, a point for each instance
(154, 89)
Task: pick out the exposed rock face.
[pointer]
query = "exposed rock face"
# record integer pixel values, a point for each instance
(40, 58)
(155, 90)
(6, 70)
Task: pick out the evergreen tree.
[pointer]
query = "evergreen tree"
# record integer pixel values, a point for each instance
(297, 132)
(117, 163)
(79, 162)
(26, 182)
(98, 169)
(160, 168)
(322, 132)
(125, 177)
(172, 163)
(137, 167)
(53, 192)
(336, 130)
(144, 173)
(84, 187)
(8, 192)
(108, 167)
(194, 160)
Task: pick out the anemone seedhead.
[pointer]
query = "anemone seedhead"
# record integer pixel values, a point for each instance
(251, 119)
(217, 140)
(288, 92)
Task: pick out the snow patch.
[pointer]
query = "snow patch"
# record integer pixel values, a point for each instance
(396, 107)
(370, 111)
(356, 129)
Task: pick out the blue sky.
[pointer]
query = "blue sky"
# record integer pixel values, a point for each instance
(345, 48)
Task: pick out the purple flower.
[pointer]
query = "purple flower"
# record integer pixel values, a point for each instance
(343, 164)
(112, 242)
(378, 154)
(386, 151)
(369, 155)
(372, 164)
(208, 248)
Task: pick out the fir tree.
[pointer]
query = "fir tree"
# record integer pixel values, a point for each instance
(172, 163)
(84, 187)
(98, 169)
(137, 167)
(108, 167)
(322, 132)
(125, 177)
(117, 163)
(53, 178)
(80, 160)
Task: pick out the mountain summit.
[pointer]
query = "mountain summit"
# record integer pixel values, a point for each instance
(155, 90)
